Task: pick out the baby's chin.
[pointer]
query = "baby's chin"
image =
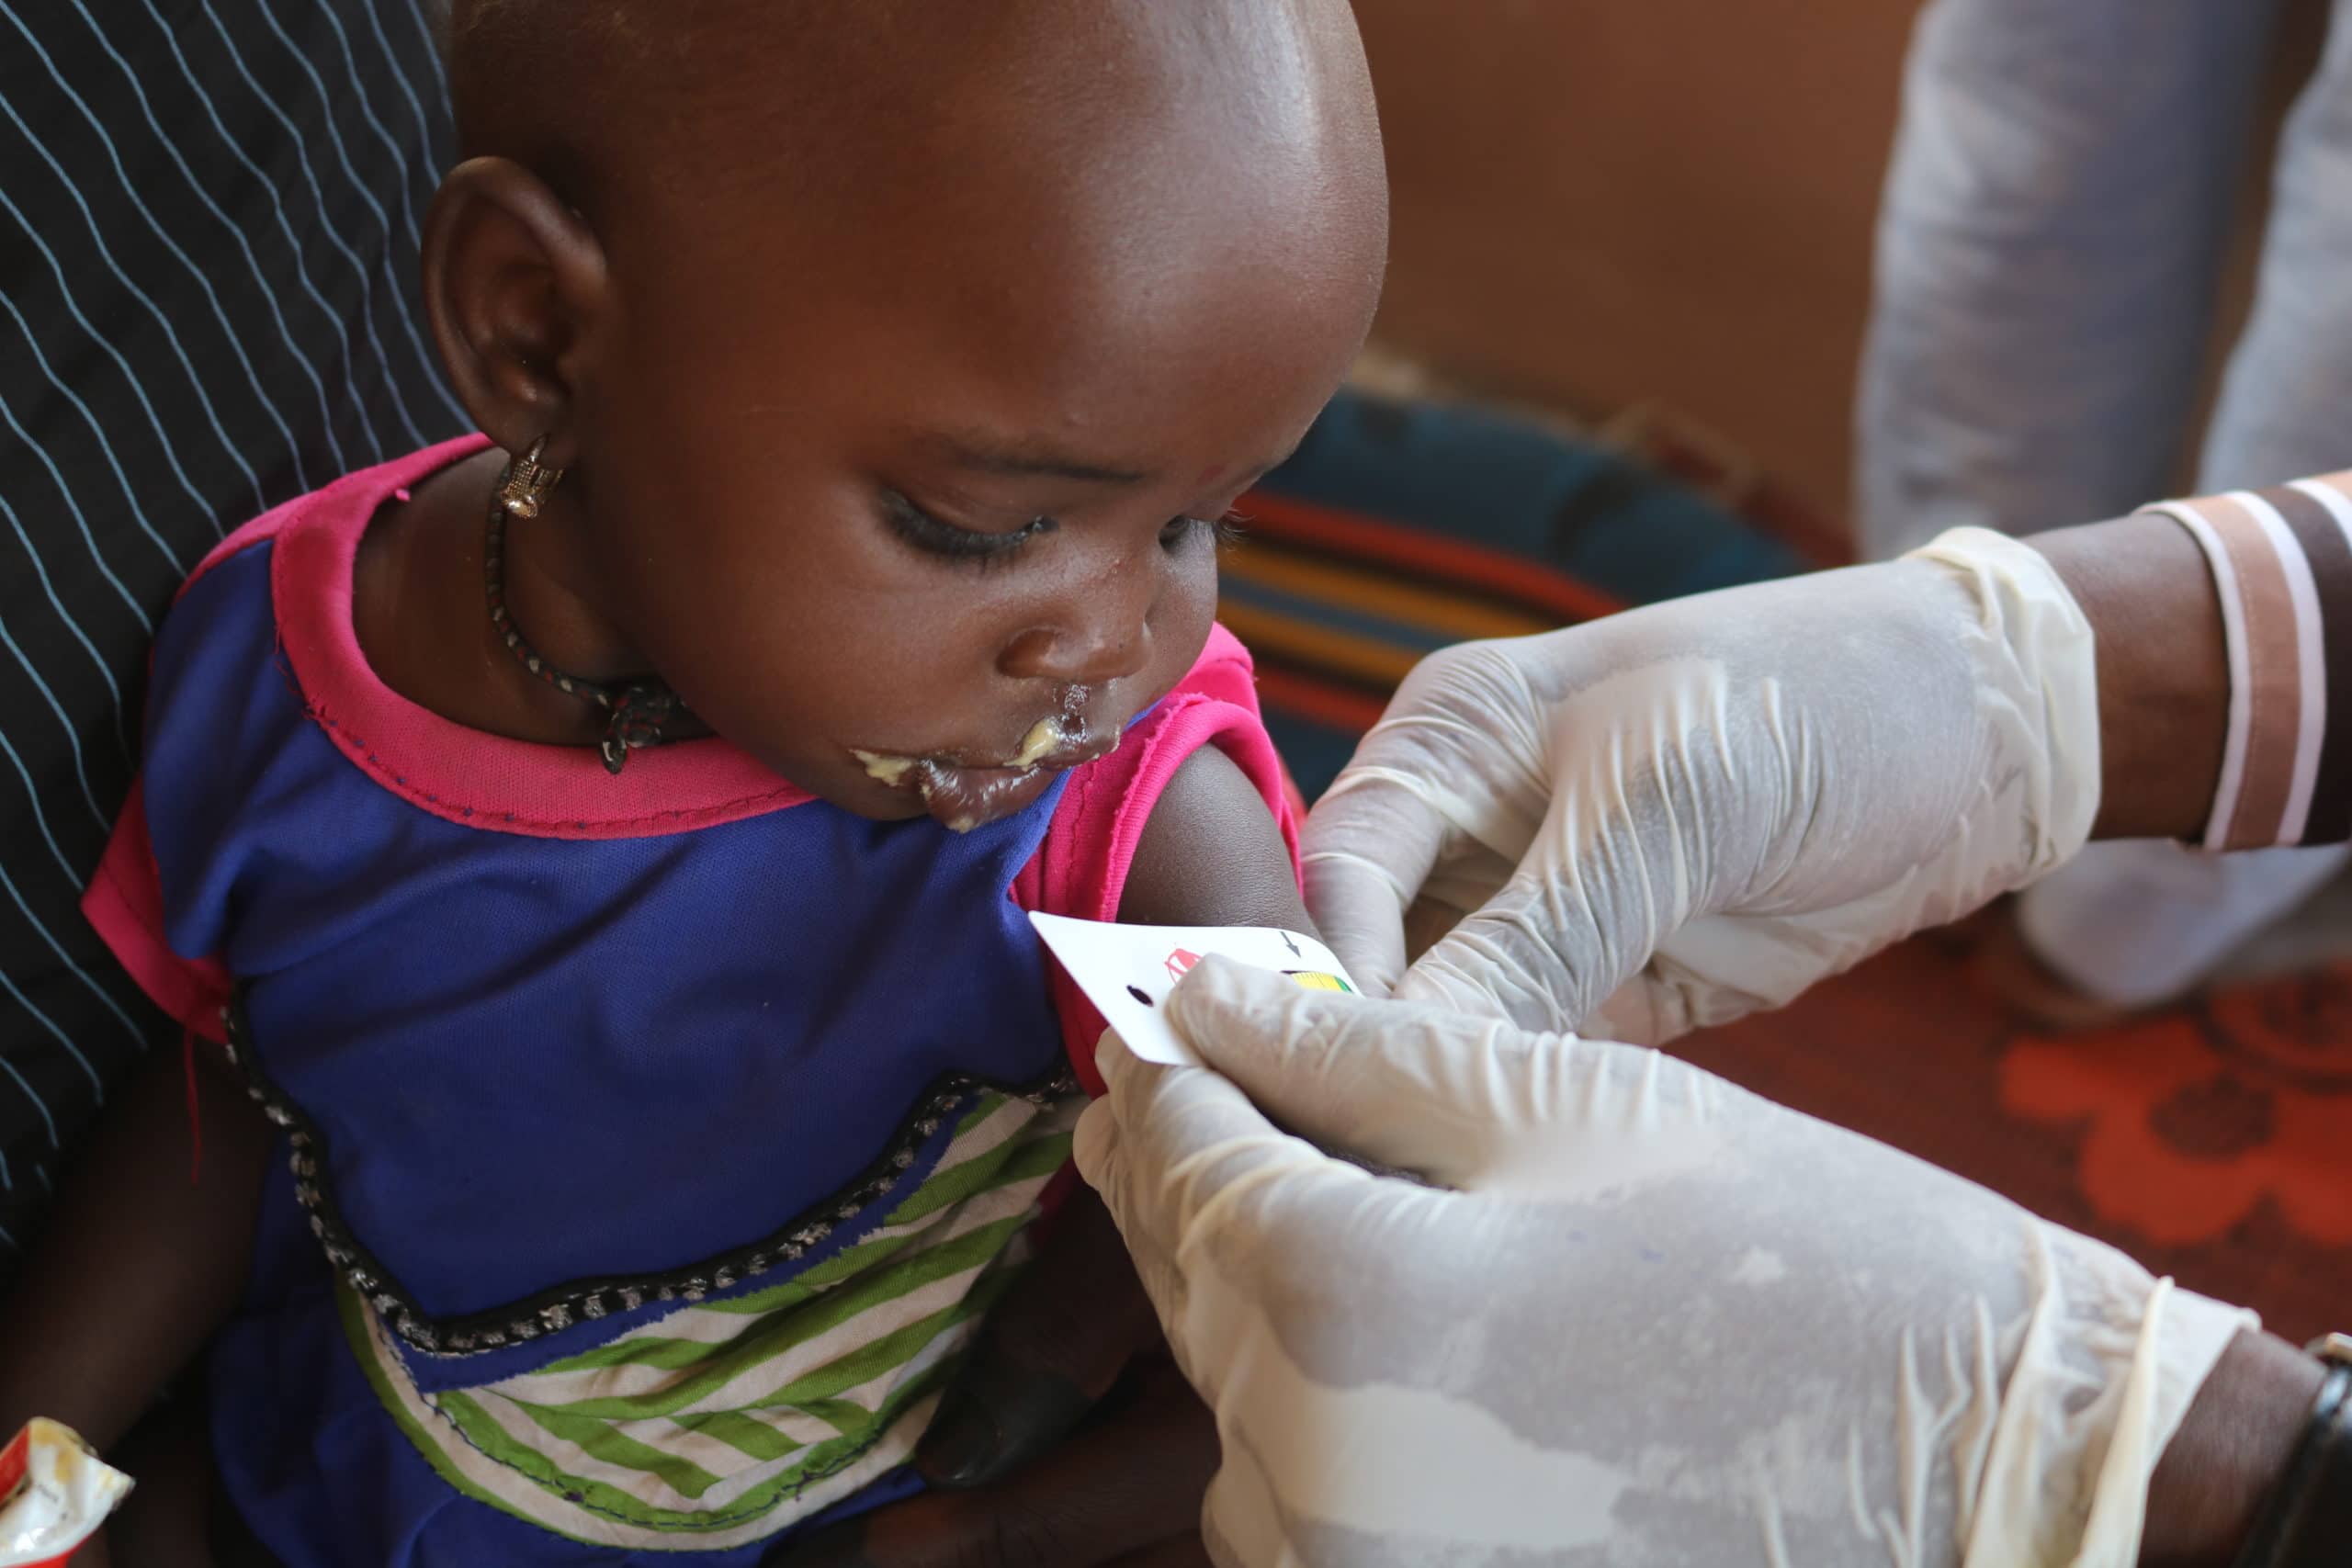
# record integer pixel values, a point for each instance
(961, 799)
(963, 795)
(901, 789)
(967, 788)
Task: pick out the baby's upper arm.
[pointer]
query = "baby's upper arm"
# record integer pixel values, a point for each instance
(1211, 855)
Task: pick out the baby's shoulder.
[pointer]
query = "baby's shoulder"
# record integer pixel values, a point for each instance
(255, 577)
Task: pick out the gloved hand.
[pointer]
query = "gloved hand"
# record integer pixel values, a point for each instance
(1660, 1321)
(1717, 801)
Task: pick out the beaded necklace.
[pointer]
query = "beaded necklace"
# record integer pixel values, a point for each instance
(636, 711)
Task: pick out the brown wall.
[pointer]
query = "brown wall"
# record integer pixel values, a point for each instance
(1601, 202)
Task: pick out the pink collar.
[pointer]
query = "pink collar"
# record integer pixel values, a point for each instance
(443, 767)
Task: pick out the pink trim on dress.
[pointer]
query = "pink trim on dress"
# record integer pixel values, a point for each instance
(458, 773)
(485, 781)
(124, 905)
(1082, 868)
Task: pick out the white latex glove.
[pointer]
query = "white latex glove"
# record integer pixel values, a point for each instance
(1662, 1322)
(1717, 801)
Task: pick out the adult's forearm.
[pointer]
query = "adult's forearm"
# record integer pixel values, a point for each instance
(2232, 1448)
(2165, 688)
(2163, 674)
(2224, 647)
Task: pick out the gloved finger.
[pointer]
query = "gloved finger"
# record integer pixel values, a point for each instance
(1165, 1146)
(1469, 1103)
(1466, 876)
(1134, 1483)
(1530, 957)
(1574, 922)
(1466, 971)
(1381, 904)
(1423, 1089)
(1355, 906)
(1367, 848)
(1721, 967)
(1457, 768)
(1047, 1353)
(1165, 1120)
(1136, 1203)
(1648, 1010)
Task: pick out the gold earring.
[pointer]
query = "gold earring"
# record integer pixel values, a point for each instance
(524, 488)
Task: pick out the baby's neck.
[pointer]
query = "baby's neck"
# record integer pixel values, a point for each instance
(422, 620)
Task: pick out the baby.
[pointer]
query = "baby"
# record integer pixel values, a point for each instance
(602, 844)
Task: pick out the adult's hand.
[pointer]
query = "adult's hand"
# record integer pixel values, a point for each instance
(1714, 802)
(1646, 1318)
(1074, 1342)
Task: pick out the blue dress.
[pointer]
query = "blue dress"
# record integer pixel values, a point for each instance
(651, 1144)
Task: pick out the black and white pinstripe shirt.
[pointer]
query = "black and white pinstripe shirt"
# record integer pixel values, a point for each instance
(209, 216)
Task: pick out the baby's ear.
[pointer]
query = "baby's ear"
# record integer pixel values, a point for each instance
(516, 286)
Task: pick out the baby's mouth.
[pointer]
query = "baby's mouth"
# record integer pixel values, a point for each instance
(963, 791)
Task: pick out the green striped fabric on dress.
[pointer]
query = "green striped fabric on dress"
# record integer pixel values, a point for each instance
(724, 1422)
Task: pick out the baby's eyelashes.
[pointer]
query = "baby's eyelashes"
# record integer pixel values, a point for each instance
(1222, 530)
(952, 541)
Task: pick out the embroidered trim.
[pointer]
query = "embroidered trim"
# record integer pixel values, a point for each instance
(556, 1309)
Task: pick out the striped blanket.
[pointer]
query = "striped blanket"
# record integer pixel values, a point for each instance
(1401, 528)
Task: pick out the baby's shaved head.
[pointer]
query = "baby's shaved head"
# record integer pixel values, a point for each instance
(805, 99)
(824, 304)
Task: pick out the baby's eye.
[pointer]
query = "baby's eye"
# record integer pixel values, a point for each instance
(1221, 531)
(931, 534)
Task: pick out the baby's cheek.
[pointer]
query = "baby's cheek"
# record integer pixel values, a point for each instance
(803, 675)
(1181, 622)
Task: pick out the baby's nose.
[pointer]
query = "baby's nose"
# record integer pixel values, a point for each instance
(1093, 653)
